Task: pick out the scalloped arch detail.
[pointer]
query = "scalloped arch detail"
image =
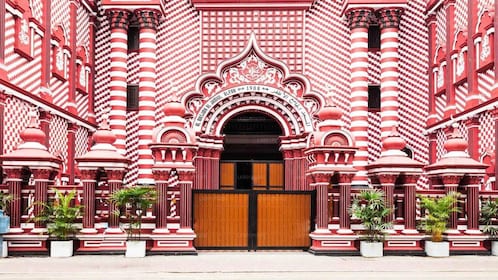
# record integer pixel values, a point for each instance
(253, 74)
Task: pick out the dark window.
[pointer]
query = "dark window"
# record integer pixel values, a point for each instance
(133, 38)
(374, 98)
(373, 37)
(132, 97)
(408, 151)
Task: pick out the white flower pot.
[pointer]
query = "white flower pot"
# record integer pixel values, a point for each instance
(371, 249)
(61, 249)
(437, 249)
(135, 249)
(494, 248)
(5, 249)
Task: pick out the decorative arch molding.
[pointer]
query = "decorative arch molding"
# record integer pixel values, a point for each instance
(252, 81)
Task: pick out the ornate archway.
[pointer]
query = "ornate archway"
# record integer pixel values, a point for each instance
(252, 81)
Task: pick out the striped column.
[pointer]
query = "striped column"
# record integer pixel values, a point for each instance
(14, 182)
(389, 19)
(450, 108)
(451, 183)
(410, 191)
(41, 185)
(148, 21)
(321, 182)
(115, 181)
(387, 182)
(88, 179)
(71, 100)
(472, 207)
(345, 203)
(358, 23)
(117, 87)
(431, 25)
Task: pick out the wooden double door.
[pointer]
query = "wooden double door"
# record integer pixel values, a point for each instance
(252, 219)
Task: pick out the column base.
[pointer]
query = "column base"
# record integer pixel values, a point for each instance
(344, 231)
(404, 245)
(334, 244)
(173, 243)
(410, 231)
(113, 231)
(464, 244)
(473, 232)
(102, 243)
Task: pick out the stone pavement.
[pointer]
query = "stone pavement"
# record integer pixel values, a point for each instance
(249, 265)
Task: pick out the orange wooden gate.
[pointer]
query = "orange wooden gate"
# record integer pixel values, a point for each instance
(252, 219)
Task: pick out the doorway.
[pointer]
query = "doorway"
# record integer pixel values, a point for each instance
(251, 159)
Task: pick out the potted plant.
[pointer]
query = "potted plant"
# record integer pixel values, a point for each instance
(436, 220)
(5, 200)
(370, 207)
(489, 212)
(60, 216)
(134, 202)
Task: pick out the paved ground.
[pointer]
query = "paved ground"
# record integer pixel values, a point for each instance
(245, 265)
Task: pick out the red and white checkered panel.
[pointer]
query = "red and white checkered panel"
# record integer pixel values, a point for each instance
(441, 25)
(81, 141)
(461, 14)
(60, 15)
(21, 72)
(374, 68)
(58, 137)
(327, 53)
(16, 120)
(82, 27)
(484, 4)
(178, 52)
(102, 69)
(37, 10)
(132, 148)
(460, 96)
(279, 34)
(441, 139)
(374, 139)
(486, 81)
(486, 133)
(463, 131)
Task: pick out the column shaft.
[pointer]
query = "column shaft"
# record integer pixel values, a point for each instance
(389, 67)
(148, 21)
(358, 23)
(322, 216)
(118, 73)
(450, 88)
(410, 206)
(185, 206)
(41, 186)
(431, 24)
(473, 207)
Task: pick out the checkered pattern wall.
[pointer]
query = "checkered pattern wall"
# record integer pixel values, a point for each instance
(16, 120)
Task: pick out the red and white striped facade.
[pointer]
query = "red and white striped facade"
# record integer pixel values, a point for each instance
(69, 61)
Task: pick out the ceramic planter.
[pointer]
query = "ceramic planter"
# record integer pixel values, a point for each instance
(437, 249)
(371, 249)
(61, 249)
(135, 249)
(494, 248)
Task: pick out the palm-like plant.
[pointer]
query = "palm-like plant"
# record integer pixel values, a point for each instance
(439, 211)
(370, 207)
(60, 215)
(5, 200)
(489, 211)
(136, 200)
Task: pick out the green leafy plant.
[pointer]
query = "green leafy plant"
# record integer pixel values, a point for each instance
(370, 207)
(134, 201)
(5, 200)
(60, 215)
(439, 211)
(489, 212)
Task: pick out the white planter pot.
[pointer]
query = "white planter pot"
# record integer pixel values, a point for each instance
(494, 248)
(135, 249)
(437, 249)
(61, 249)
(371, 249)
(5, 249)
